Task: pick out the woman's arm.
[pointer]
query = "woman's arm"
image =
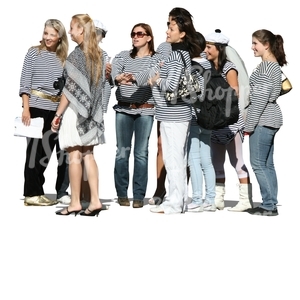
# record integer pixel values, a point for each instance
(64, 102)
(232, 79)
(26, 112)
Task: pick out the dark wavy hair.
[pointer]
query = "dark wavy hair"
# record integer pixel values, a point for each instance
(275, 41)
(149, 32)
(222, 57)
(200, 40)
(184, 21)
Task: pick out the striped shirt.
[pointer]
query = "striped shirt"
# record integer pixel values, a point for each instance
(107, 87)
(40, 70)
(265, 86)
(123, 63)
(225, 135)
(164, 49)
(170, 74)
(205, 64)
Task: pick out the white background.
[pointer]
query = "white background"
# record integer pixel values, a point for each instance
(133, 254)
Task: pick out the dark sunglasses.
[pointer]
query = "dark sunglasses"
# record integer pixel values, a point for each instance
(139, 34)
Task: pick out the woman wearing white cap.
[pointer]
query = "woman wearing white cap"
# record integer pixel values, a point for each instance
(228, 139)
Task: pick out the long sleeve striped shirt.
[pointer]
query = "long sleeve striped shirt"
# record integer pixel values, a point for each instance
(170, 74)
(107, 87)
(40, 70)
(265, 85)
(124, 63)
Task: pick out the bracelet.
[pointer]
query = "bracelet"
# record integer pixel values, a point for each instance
(58, 116)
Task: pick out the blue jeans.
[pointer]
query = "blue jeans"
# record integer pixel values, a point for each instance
(200, 164)
(141, 126)
(261, 143)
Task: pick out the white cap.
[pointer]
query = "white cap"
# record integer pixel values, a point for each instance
(100, 25)
(217, 38)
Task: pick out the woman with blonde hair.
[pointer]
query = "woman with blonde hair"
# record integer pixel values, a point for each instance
(40, 88)
(79, 116)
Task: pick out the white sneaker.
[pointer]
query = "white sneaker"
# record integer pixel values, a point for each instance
(66, 199)
(157, 209)
(209, 207)
(194, 207)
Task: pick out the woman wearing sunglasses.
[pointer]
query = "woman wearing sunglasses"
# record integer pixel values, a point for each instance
(175, 117)
(134, 114)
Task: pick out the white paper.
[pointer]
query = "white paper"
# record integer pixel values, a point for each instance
(34, 130)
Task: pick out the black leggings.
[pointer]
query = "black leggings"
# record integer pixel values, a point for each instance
(38, 154)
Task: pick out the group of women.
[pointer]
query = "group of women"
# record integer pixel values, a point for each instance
(142, 77)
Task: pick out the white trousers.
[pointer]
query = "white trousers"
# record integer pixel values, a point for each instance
(174, 137)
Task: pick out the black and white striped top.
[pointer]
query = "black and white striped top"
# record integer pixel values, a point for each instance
(123, 63)
(170, 74)
(164, 49)
(40, 70)
(265, 86)
(107, 86)
(205, 64)
(226, 134)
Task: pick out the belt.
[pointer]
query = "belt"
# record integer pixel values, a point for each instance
(45, 96)
(135, 105)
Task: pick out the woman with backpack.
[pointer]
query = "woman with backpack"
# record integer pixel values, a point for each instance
(230, 138)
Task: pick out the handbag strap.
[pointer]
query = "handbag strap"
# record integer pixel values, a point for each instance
(182, 57)
(283, 74)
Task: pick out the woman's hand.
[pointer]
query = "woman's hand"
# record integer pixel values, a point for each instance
(26, 117)
(247, 133)
(56, 122)
(125, 78)
(107, 70)
(153, 81)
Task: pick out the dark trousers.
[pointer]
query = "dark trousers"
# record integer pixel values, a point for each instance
(38, 154)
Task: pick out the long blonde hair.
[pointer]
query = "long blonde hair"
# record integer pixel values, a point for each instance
(63, 44)
(90, 46)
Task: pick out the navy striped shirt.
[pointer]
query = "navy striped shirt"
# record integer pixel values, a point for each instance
(107, 86)
(170, 74)
(265, 86)
(40, 70)
(124, 63)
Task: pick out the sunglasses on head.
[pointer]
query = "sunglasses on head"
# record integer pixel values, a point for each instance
(139, 34)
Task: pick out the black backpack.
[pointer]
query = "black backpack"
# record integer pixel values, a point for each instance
(219, 107)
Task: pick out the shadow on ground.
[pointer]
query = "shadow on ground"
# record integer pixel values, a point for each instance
(228, 203)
